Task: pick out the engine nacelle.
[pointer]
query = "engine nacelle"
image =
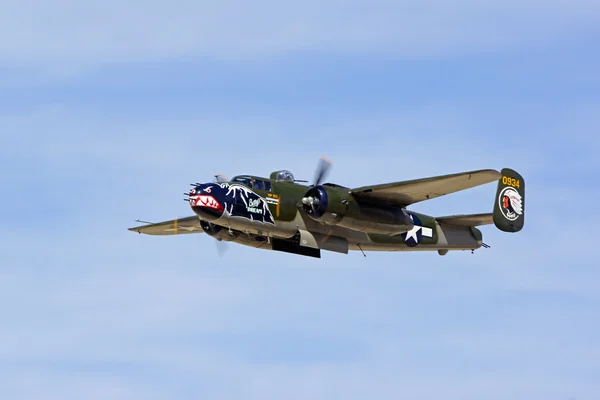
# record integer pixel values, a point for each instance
(324, 205)
(336, 206)
(218, 232)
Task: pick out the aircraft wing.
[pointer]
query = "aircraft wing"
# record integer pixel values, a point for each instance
(173, 227)
(409, 192)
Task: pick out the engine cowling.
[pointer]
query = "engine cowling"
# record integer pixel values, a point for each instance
(324, 204)
(336, 206)
(218, 232)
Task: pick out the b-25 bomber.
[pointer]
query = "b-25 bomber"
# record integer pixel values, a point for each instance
(284, 214)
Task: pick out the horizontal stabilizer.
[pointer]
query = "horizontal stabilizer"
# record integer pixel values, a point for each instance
(469, 220)
(173, 227)
(402, 194)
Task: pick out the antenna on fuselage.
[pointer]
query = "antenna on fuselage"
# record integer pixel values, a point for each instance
(358, 244)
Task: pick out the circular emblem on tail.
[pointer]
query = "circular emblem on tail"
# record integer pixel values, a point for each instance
(511, 203)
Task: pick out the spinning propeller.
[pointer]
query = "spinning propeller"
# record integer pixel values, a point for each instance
(312, 199)
(220, 178)
(212, 230)
(322, 170)
(222, 246)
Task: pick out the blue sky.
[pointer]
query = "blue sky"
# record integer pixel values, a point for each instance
(108, 111)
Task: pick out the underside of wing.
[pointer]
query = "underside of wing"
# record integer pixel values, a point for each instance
(469, 220)
(173, 227)
(405, 193)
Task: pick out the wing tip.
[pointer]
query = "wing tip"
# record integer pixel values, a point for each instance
(491, 174)
(490, 171)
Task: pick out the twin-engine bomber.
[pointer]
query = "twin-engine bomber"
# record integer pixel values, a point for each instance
(284, 214)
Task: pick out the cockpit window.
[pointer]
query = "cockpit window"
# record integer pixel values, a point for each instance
(258, 184)
(252, 183)
(244, 180)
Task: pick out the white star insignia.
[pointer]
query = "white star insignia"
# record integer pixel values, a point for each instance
(428, 232)
(412, 233)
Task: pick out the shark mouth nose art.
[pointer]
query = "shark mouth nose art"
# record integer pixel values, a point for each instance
(206, 201)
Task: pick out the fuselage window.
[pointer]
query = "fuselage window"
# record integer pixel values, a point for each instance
(267, 186)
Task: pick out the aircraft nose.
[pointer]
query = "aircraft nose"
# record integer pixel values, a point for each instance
(206, 204)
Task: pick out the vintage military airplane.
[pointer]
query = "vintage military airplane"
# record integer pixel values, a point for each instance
(279, 213)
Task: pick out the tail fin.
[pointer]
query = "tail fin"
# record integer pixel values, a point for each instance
(509, 204)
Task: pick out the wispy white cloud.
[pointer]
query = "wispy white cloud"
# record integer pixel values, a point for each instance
(67, 34)
(130, 316)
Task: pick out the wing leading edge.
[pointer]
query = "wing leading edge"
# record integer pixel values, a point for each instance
(405, 193)
(178, 226)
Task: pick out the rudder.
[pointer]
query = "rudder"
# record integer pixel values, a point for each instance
(509, 204)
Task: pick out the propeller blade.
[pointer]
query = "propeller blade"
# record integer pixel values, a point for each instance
(222, 247)
(322, 170)
(219, 178)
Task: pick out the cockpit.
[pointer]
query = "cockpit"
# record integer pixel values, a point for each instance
(252, 182)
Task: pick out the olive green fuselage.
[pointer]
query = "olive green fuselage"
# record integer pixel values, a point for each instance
(359, 226)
